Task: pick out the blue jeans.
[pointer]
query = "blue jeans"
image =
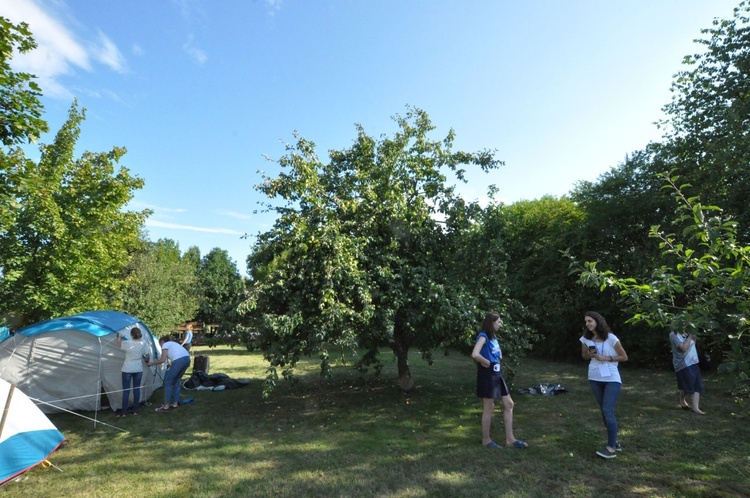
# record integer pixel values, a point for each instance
(173, 380)
(606, 394)
(127, 378)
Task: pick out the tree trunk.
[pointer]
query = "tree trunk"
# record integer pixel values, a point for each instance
(401, 348)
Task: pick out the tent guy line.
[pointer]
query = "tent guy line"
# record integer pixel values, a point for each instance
(95, 420)
(108, 391)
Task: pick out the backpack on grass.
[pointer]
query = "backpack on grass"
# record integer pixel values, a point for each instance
(201, 363)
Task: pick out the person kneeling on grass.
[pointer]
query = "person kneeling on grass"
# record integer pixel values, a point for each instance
(490, 382)
(179, 360)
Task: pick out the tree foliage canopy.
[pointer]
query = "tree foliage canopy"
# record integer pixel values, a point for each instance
(702, 286)
(358, 257)
(20, 108)
(707, 141)
(65, 236)
(706, 145)
(536, 234)
(160, 286)
(220, 289)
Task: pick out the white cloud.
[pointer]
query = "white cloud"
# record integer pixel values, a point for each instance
(113, 95)
(196, 53)
(274, 6)
(186, 7)
(234, 214)
(58, 51)
(108, 54)
(155, 208)
(175, 226)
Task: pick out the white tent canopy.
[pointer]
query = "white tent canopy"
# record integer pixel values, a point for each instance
(27, 437)
(68, 363)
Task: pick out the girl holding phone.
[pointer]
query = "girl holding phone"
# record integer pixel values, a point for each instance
(603, 349)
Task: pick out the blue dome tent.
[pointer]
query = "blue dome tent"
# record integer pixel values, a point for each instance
(67, 363)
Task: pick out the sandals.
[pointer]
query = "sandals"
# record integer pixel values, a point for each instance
(517, 444)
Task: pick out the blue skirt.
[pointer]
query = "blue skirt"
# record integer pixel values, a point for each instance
(490, 384)
(689, 379)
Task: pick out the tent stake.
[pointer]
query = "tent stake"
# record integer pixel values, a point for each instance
(7, 407)
(47, 464)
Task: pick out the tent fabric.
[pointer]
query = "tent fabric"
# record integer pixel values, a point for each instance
(67, 363)
(96, 323)
(27, 437)
(4, 333)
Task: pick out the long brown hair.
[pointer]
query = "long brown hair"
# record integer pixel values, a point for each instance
(602, 329)
(489, 321)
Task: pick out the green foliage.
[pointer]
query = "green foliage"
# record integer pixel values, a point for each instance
(701, 287)
(193, 255)
(221, 289)
(536, 234)
(65, 237)
(480, 276)
(707, 142)
(619, 209)
(358, 258)
(20, 108)
(161, 287)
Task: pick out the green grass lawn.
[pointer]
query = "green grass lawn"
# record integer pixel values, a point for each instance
(358, 435)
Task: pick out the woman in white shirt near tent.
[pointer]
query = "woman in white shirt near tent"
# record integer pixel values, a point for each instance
(179, 360)
(132, 369)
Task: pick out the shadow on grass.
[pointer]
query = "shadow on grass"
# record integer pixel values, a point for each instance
(359, 435)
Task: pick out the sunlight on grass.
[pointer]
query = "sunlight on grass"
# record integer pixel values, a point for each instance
(644, 490)
(359, 435)
(310, 448)
(453, 478)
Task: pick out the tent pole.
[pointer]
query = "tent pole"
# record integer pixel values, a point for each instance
(7, 407)
(98, 400)
(98, 385)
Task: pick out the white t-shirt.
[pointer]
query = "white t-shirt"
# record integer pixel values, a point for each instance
(134, 352)
(604, 371)
(174, 351)
(682, 359)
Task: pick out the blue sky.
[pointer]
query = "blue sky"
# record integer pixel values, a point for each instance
(200, 91)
